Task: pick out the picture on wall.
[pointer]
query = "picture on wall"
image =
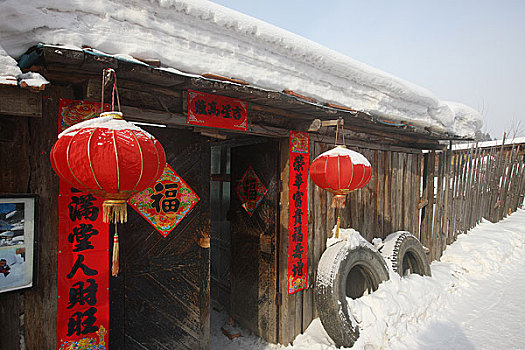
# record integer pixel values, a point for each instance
(17, 241)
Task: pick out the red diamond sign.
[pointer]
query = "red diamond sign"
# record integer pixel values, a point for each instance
(166, 203)
(250, 191)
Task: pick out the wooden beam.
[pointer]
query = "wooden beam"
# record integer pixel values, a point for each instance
(278, 111)
(93, 88)
(20, 102)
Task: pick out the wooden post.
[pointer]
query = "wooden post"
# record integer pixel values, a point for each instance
(428, 194)
(380, 194)
(418, 192)
(508, 181)
(496, 183)
(15, 178)
(447, 201)
(287, 308)
(473, 189)
(387, 223)
(407, 198)
(452, 196)
(40, 302)
(505, 172)
(436, 227)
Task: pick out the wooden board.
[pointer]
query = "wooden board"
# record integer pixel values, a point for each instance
(160, 300)
(40, 302)
(254, 269)
(13, 179)
(20, 102)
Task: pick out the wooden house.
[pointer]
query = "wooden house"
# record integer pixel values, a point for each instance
(162, 298)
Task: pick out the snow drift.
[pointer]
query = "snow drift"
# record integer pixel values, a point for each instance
(198, 37)
(410, 312)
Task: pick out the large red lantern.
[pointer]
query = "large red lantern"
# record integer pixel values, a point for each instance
(109, 157)
(340, 171)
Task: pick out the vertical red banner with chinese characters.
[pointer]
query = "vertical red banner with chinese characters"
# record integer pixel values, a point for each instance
(299, 160)
(83, 272)
(83, 255)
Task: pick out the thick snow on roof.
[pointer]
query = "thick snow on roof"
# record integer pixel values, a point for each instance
(10, 74)
(466, 119)
(8, 69)
(197, 36)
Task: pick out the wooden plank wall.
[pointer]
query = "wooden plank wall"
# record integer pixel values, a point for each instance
(434, 195)
(29, 315)
(388, 203)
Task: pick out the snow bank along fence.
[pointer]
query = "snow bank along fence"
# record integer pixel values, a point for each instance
(435, 195)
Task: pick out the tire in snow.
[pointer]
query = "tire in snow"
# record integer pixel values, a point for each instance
(343, 272)
(406, 254)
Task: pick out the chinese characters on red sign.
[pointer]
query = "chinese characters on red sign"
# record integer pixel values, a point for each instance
(83, 257)
(250, 190)
(83, 272)
(299, 160)
(166, 203)
(216, 111)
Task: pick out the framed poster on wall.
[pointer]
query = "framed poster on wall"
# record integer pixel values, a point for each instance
(17, 241)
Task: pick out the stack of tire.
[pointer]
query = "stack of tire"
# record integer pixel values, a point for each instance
(353, 271)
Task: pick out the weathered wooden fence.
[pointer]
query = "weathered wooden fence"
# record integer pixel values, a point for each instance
(434, 195)
(469, 185)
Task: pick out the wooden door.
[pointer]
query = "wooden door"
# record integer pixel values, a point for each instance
(160, 300)
(254, 242)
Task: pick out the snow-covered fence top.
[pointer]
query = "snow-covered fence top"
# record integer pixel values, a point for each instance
(486, 144)
(197, 36)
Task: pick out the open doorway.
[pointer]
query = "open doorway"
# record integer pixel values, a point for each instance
(220, 283)
(244, 243)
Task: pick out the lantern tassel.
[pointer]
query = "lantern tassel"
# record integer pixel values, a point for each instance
(115, 266)
(339, 201)
(115, 211)
(338, 225)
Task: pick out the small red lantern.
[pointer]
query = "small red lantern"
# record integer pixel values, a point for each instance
(340, 171)
(110, 158)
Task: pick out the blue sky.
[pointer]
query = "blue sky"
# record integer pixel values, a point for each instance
(471, 52)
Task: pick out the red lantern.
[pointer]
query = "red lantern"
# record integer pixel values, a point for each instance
(340, 171)
(109, 157)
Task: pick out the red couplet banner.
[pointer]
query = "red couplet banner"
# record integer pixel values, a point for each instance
(299, 159)
(83, 257)
(216, 111)
(83, 271)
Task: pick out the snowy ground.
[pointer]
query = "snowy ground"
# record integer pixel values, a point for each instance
(474, 300)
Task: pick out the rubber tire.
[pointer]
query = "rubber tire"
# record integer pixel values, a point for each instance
(330, 293)
(407, 250)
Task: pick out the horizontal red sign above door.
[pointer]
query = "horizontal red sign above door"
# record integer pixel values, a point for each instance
(216, 111)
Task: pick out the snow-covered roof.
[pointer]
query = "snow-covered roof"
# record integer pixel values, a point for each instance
(466, 119)
(197, 36)
(11, 75)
